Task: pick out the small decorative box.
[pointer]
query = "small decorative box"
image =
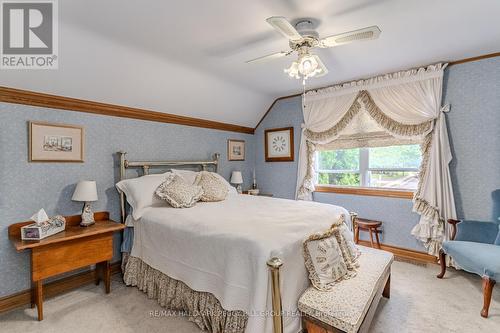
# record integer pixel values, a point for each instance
(37, 231)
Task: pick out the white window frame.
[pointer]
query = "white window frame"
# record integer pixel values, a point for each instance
(364, 172)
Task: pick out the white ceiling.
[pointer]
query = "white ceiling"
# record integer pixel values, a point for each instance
(187, 57)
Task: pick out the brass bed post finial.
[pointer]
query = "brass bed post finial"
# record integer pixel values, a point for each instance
(354, 216)
(275, 264)
(216, 160)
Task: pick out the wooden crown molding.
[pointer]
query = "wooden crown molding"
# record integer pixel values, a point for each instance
(25, 97)
(481, 57)
(450, 63)
(52, 289)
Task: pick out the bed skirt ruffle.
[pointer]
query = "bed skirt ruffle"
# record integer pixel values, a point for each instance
(202, 308)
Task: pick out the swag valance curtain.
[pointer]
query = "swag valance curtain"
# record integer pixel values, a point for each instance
(392, 109)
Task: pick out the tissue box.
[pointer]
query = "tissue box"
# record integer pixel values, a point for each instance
(36, 232)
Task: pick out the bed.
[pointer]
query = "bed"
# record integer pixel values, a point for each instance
(219, 255)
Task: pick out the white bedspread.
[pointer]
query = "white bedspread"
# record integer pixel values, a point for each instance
(222, 248)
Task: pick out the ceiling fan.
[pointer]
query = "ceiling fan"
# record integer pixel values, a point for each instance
(303, 37)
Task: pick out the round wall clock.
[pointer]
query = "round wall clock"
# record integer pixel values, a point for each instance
(279, 144)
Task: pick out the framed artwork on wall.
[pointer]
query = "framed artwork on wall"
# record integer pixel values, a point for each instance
(279, 144)
(235, 150)
(50, 142)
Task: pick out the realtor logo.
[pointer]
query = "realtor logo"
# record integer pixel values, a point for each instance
(29, 34)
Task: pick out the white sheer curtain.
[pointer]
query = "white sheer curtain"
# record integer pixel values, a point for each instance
(406, 105)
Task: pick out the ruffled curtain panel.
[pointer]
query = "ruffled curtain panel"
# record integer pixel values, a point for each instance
(397, 108)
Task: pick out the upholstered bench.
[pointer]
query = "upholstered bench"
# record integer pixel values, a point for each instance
(350, 306)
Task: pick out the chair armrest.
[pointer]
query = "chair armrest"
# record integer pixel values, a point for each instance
(474, 231)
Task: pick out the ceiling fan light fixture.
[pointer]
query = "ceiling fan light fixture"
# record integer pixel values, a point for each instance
(307, 66)
(293, 70)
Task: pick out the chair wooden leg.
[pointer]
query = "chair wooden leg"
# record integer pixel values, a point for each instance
(487, 290)
(378, 240)
(356, 234)
(442, 261)
(371, 237)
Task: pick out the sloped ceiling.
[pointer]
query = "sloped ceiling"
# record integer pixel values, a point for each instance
(188, 57)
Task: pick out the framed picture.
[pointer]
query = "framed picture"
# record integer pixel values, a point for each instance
(55, 142)
(279, 144)
(235, 150)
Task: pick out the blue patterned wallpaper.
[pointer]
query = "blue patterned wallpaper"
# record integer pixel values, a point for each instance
(474, 126)
(26, 187)
(472, 89)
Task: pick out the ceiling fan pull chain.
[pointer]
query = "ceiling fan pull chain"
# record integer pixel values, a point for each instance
(304, 93)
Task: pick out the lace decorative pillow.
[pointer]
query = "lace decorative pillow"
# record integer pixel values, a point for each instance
(324, 260)
(178, 193)
(345, 239)
(213, 188)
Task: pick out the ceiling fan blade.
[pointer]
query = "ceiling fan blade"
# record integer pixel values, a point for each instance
(351, 36)
(284, 27)
(270, 56)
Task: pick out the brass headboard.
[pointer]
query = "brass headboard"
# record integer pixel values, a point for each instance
(146, 165)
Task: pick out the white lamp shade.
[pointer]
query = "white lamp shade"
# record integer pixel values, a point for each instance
(86, 190)
(236, 177)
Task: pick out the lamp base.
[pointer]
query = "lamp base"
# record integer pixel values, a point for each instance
(239, 189)
(87, 215)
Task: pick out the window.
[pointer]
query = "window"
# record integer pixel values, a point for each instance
(393, 167)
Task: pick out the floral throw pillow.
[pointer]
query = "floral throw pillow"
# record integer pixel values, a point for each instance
(178, 193)
(324, 260)
(214, 189)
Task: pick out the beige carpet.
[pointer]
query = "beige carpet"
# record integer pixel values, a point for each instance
(419, 303)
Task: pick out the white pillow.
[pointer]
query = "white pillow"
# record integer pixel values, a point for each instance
(140, 192)
(189, 176)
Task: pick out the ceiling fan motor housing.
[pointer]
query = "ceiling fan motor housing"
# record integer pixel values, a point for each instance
(306, 28)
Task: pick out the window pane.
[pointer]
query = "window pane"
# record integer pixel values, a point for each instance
(342, 159)
(394, 179)
(345, 179)
(395, 157)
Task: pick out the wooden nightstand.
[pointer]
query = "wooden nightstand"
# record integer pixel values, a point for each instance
(260, 194)
(73, 248)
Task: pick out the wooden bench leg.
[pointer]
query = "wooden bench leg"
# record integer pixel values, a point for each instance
(487, 290)
(387, 289)
(442, 262)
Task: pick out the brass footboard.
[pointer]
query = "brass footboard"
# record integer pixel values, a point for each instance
(274, 265)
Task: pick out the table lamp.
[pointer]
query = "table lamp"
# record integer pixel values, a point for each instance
(86, 191)
(237, 179)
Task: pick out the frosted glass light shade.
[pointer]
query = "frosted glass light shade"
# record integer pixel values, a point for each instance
(236, 177)
(86, 190)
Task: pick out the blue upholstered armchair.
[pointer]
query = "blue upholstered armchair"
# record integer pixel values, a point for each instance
(475, 247)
